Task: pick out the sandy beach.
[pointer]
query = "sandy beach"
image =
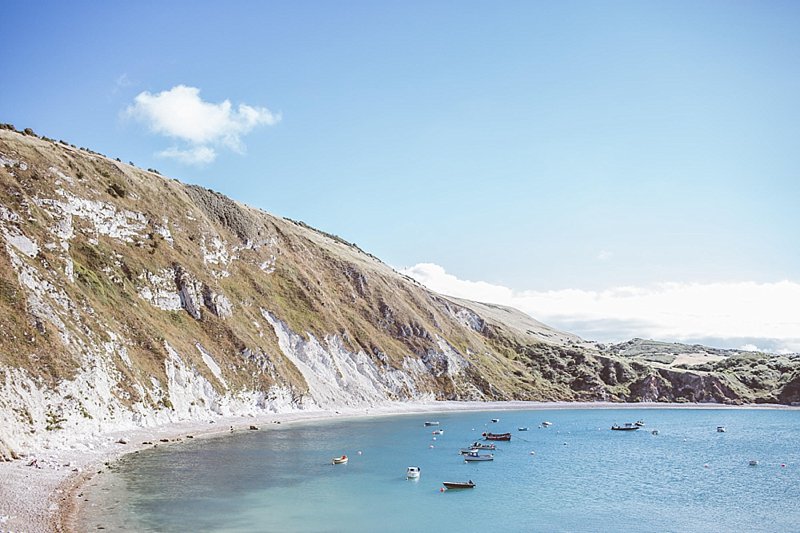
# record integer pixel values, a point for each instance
(42, 491)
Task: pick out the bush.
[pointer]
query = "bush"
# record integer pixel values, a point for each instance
(116, 190)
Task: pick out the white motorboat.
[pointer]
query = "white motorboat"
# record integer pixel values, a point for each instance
(412, 472)
(474, 456)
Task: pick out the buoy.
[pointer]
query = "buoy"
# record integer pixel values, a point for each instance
(705, 465)
(441, 490)
(783, 465)
(533, 453)
(359, 452)
(431, 446)
(434, 438)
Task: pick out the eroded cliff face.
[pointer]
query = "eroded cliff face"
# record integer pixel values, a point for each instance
(128, 299)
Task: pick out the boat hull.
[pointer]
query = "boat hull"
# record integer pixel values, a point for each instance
(458, 485)
(497, 436)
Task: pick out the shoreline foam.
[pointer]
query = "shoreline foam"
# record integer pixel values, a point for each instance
(46, 496)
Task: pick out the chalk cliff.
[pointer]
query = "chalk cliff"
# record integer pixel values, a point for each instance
(131, 299)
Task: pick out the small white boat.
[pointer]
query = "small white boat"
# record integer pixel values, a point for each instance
(339, 460)
(412, 472)
(522, 429)
(546, 424)
(753, 462)
(432, 423)
(438, 432)
(654, 432)
(495, 420)
(475, 456)
(721, 429)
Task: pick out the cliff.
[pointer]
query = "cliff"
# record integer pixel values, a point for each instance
(128, 299)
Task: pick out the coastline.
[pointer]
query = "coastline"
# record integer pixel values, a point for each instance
(42, 492)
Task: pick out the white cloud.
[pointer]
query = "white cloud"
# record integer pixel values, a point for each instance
(181, 114)
(604, 255)
(723, 314)
(199, 155)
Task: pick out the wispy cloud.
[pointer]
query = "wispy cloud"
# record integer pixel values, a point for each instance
(180, 113)
(198, 155)
(766, 315)
(122, 82)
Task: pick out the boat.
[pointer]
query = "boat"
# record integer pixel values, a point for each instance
(496, 436)
(459, 484)
(522, 429)
(412, 472)
(439, 432)
(654, 432)
(431, 423)
(627, 427)
(546, 424)
(495, 420)
(639, 423)
(753, 462)
(721, 429)
(474, 456)
(465, 451)
(339, 460)
(483, 446)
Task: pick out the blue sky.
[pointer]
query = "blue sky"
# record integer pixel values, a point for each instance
(535, 146)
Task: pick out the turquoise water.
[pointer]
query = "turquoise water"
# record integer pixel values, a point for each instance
(583, 477)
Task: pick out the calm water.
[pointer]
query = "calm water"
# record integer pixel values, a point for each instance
(583, 477)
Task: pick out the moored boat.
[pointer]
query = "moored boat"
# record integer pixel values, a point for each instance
(483, 445)
(721, 429)
(546, 424)
(431, 423)
(522, 429)
(639, 423)
(495, 420)
(438, 432)
(412, 472)
(496, 436)
(459, 484)
(627, 427)
(339, 460)
(474, 456)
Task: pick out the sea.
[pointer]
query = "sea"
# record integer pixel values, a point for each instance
(574, 475)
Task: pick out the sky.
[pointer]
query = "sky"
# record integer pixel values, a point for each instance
(614, 168)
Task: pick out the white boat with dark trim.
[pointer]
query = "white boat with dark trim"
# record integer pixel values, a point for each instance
(412, 472)
(474, 456)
